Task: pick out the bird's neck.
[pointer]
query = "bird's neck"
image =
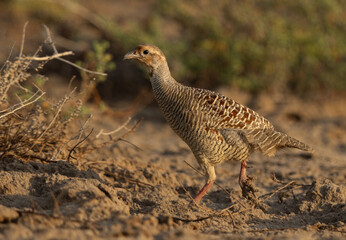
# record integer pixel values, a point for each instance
(166, 90)
(161, 79)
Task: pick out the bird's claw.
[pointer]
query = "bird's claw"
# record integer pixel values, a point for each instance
(248, 188)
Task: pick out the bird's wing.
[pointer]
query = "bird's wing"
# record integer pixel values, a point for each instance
(236, 122)
(224, 113)
(265, 140)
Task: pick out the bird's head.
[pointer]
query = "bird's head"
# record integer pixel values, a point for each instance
(149, 55)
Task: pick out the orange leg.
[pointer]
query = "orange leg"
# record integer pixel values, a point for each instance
(203, 191)
(242, 175)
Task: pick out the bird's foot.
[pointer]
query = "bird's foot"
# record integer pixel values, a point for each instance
(248, 192)
(246, 185)
(245, 182)
(248, 188)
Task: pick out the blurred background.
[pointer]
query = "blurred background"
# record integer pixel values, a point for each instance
(286, 47)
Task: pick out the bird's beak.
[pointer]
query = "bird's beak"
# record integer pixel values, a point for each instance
(131, 55)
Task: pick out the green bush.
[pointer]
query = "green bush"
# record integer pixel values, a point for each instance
(254, 45)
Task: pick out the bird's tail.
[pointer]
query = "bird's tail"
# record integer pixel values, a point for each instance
(268, 141)
(287, 141)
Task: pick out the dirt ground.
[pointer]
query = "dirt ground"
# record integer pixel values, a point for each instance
(141, 188)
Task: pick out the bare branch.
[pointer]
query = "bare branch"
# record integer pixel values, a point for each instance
(81, 68)
(78, 137)
(8, 57)
(47, 58)
(78, 143)
(23, 40)
(49, 38)
(133, 145)
(133, 129)
(114, 131)
(126, 178)
(23, 104)
(51, 43)
(56, 115)
(269, 195)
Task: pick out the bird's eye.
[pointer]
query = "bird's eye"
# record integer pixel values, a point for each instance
(145, 52)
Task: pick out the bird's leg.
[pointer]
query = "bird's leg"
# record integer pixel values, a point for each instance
(210, 179)
(203, 191)
(248, 189)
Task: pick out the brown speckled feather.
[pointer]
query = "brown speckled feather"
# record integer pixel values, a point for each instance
(227, 113)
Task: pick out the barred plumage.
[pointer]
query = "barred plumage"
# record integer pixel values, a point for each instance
(216, 128)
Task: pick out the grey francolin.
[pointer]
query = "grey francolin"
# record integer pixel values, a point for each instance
(216, 128)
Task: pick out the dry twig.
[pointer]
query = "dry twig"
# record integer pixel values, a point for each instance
(122, 176)
(75, 146)
(48, 58)
(271, 194)
(65, 99)
(22, 104)
(50, 41)
(123, 126)
(121, 138)
(23, 40)
(29, 132)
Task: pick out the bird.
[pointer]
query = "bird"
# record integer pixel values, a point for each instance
(216, 128)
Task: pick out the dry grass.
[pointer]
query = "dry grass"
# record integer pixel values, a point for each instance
(34, 128)
(30, 126)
